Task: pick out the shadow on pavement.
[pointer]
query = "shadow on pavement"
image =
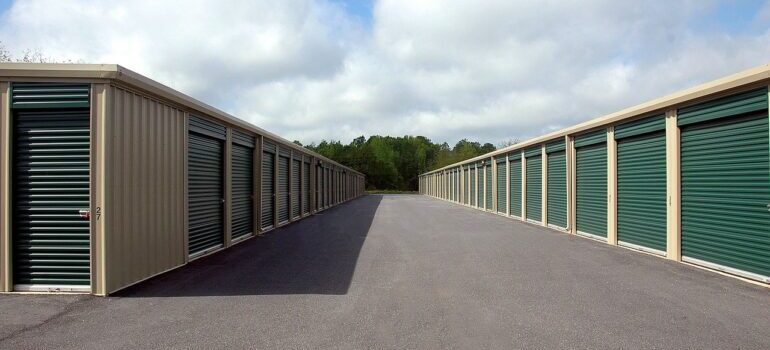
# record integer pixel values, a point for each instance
(316, 255)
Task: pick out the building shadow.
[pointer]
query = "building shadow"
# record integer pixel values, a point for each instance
(316, 255)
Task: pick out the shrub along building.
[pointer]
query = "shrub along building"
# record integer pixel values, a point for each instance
(686, 176)
(108, 178)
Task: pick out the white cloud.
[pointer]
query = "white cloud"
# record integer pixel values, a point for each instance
(489, 71)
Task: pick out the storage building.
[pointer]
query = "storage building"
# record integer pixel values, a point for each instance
(108, 178)
(685, 176)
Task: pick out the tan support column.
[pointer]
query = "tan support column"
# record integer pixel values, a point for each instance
(5, 179)
(612, 187)
(98, 164)
(571, 185)
(507, 186)
(544, 187)
(673, 189)
(523, 187)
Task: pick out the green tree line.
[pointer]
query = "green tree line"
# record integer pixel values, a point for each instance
(394, 163)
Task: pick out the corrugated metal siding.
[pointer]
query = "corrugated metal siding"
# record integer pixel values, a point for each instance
(207, 127)
(725, 193)
(557, 188)
(641, 127)
(591, 188)
(488, 180)
(144, 178)
(535, 188)
(591, 138)
(296, 188)
(51, 242)
(267, 218)
(502, 196)
(242, 190)
(244, 139)
(642, 190)
(515, 186)
(283, 189)
(205, 188)
(748, 102)
(49, 95)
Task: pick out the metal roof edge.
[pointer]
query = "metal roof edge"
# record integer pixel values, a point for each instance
(743, 78)
(131, 78)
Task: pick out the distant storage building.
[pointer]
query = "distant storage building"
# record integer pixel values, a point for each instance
(108, 178)
(686, 176)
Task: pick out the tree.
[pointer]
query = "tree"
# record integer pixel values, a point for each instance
(395, 163)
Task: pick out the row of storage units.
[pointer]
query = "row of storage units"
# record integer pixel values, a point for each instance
(109, 178)
(685, 176)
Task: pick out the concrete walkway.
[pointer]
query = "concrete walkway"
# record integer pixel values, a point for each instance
(407, 272)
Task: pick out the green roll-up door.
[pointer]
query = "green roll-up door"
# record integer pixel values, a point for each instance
(488, 182)
(473, 188)
(725, 193)
(296, 188)
(318, 187)
(283, 188)
(468, 186)
(535, 188)
(642, 183)
(515, 186)
(480, 186)
(466, 199)
(267, 218)
(557, 189)
(205, 169)
(242, 190)
(591, 186)
(50, 240)
(306, 189)
(502, 178)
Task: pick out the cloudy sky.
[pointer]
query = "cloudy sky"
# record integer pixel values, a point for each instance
(488, 70)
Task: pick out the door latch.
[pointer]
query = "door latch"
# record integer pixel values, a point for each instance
(85, 214)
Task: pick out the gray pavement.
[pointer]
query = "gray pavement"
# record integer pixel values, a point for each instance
(407, 272)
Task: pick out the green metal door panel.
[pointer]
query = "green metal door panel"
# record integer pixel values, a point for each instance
(725, 193)
(466, 186)
(591, 138)
(515, 186)
(283, 189)
(480, 185)
(268, 190)
(473, 191)
(49, 96)
(488, 181)
(50, 241)
(242, 190)
(535, 188)
(296, 189)
(306, 189)
(642, 190)
(205, 169)
(557, 189)
(502, 178)
(591, 188)
(741, 104)
(641, 127)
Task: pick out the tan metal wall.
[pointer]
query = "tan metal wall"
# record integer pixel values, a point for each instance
(145, 176)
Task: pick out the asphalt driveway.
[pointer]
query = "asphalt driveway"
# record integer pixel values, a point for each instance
(407, 272)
